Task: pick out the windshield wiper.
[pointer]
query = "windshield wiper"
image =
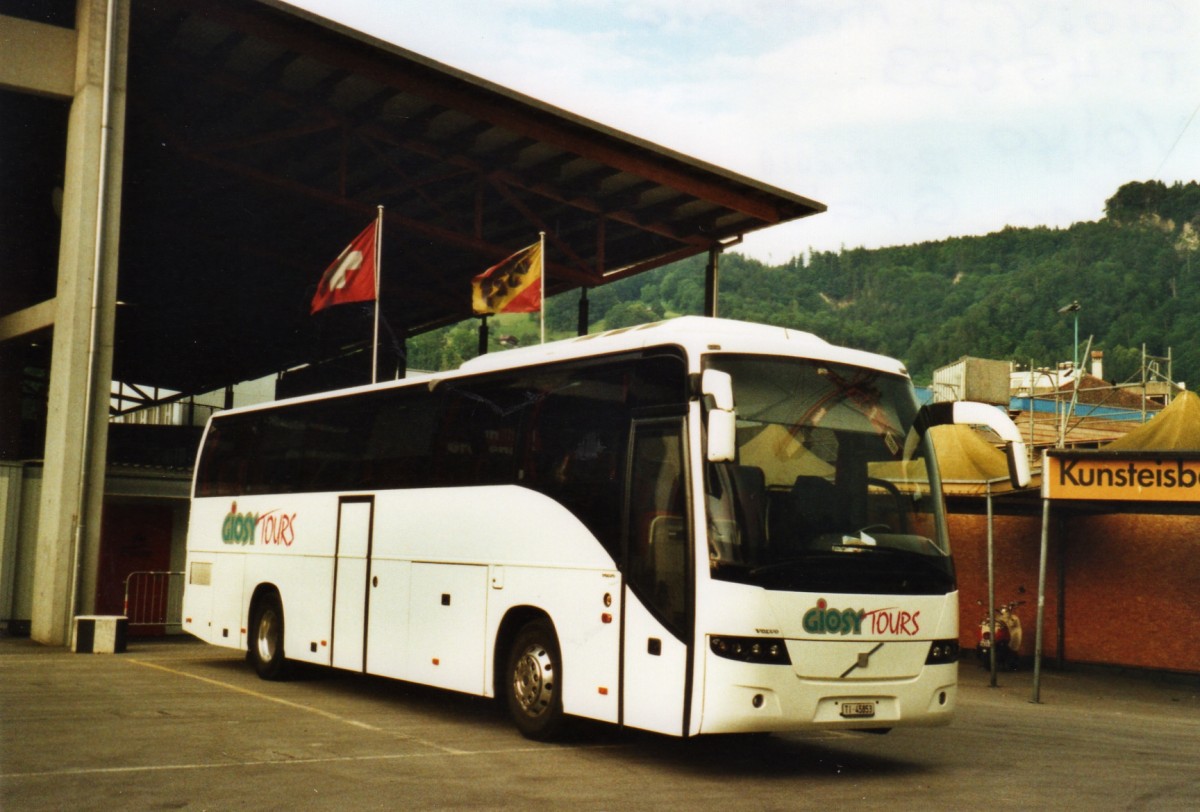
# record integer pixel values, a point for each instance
(815, 556)
(779, 565)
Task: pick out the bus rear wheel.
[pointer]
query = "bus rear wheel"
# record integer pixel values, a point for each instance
(266, 638)
(534, 682)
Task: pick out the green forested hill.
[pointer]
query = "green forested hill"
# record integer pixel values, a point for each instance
(1136, 273)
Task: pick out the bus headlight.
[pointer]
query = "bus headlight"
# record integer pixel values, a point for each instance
(769, 650)
(942, 651)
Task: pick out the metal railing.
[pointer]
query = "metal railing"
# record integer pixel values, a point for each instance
(154, 599)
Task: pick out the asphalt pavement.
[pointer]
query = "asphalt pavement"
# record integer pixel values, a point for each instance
(182, 725)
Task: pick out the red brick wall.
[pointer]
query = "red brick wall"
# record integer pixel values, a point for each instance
(1132, 584)
(1017, 542)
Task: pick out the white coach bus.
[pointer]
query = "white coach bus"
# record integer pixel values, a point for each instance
(689, 527)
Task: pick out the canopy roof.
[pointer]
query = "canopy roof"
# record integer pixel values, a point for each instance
(260, 139)
(1175, 428)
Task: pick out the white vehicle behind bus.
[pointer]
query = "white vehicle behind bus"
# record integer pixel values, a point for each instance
(694, 526)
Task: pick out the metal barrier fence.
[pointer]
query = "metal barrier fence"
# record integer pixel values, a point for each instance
(154, 599)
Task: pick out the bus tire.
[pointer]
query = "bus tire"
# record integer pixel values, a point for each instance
(266, 638)
(533, 682)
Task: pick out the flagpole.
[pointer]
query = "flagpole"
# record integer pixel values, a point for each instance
(542, 308)
(378, 291)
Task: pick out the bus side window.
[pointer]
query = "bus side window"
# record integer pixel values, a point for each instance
(658, 530)
(399, 450)
(224, 460)
(454, 451)
(499, 412)
(478, 433)
(575, 458)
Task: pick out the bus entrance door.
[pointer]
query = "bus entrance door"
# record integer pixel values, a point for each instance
(654, 655)
(350, 594)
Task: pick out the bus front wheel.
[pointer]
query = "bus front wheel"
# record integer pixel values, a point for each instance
(534, 682)
(266, 638)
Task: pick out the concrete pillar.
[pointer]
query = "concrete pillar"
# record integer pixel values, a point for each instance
(77, 425)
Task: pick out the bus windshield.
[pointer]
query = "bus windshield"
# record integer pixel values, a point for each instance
(824, 495)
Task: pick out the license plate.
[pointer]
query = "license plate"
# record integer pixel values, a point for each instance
(858, 710)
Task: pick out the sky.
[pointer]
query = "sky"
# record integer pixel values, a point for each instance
(912, 120)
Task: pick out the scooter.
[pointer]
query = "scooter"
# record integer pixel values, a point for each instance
(1008, 638)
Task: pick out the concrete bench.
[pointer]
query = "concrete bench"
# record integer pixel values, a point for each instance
(100, 634)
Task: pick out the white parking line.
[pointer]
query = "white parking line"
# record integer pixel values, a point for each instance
(259, 695)
(224, 765)
(297, 706)
(439, 748)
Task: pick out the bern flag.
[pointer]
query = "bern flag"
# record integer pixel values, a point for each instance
(510, 286)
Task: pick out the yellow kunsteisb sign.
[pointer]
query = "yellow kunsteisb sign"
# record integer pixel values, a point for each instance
(1145, 478)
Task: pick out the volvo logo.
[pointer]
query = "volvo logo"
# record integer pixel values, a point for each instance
(864, 660)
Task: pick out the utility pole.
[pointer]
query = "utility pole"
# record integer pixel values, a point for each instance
(1073, 308)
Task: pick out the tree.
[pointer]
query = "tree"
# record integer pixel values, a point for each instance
(628, 314)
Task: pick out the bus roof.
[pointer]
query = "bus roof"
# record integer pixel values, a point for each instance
(695, 334)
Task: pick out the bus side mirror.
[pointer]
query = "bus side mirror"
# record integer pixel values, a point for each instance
(717, 387)
(969, 413)
(1018, 463)
(722, 436)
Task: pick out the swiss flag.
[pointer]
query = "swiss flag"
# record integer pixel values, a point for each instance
(351, 277)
